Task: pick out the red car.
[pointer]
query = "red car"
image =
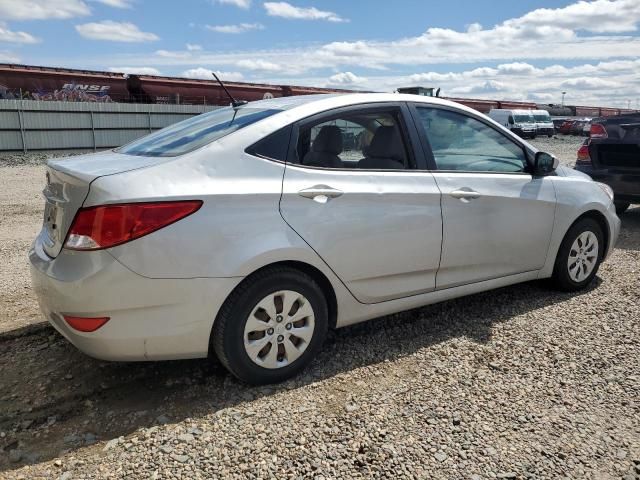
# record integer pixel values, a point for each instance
(565, 128)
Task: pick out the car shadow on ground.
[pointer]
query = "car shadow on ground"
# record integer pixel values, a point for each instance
(630, 232)
(55, 399)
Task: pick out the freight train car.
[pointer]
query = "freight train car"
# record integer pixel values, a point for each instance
(483, 106)
(578, 111)
(43, 83)
(155, 89)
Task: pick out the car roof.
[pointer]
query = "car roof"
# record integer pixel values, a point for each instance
(318, 103)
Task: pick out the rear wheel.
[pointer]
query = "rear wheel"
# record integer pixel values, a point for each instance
(579, 256)
(271, 326)
(621, 207)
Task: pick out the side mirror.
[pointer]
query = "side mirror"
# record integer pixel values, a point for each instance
(544, 163)
(510, 120)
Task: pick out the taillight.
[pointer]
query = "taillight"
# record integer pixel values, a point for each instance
(85, 324)
(598, 131)
(106, 226)
(583, 154)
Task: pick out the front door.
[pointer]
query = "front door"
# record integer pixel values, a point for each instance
(352, 192)
(497, 218)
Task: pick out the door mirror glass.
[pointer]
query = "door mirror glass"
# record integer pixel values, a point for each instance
(545, 163)
(510, 119)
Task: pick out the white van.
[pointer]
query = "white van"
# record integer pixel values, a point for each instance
(520, 122)
(544, 124)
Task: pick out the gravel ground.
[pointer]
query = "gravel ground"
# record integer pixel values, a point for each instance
(521, 382)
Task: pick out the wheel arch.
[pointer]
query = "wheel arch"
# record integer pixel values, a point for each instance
(313, 272)
(601, 220)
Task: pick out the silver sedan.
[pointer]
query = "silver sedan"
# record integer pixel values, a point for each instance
(250, 231)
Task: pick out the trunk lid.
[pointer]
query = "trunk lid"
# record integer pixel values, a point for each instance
(621, 149)
(67, 185)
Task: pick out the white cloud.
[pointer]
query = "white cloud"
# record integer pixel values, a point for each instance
(205, 74)
(10, 36)
(259, 65)
(42, 9)
(240, 28)
(597, 16)
(192, 47)
(346, 79)
(517, 68)
(8, 57)
(286, 10)
(136, 70)
(588, 83)
(237, 3)
(171, 54)
(490, 86)
(117, 3)
(114, 32)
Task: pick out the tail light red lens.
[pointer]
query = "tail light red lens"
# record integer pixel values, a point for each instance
(106, 226)
(583, 154)
(85, 324)
(598, 131)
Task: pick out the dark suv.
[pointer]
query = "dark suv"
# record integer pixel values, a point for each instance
(612, 156)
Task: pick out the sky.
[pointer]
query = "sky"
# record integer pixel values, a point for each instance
(507, 49)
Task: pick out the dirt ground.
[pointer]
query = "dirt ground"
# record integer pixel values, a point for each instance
(574, 360)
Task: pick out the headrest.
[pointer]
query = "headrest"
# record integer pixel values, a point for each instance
(328, 140)
(386, 143)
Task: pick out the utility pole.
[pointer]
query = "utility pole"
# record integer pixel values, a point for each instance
(563, 94)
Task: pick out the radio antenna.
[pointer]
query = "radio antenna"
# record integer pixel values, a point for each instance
(234, 103)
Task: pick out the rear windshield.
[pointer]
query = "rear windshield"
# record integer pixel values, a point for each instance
(195, 132)
(523, 118)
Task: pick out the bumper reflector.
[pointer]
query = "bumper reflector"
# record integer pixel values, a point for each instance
(85, 324)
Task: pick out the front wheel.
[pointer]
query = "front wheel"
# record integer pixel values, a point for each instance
(271, 326)
(579, 256)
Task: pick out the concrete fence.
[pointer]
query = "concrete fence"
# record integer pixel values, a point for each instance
(27, 125)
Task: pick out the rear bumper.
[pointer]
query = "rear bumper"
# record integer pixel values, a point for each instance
(626, 186)
(150, 319)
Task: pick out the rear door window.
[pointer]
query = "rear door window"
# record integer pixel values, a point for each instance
(373, 140)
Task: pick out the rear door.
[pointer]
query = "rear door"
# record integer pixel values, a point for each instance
(378, 228)
(497, 217)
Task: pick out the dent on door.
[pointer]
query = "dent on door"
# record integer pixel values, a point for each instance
(380, 232)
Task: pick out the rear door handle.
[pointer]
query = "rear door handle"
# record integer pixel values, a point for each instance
(320, 193)
(465, 194)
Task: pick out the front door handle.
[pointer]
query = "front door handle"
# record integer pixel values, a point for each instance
(465, 194)
(320, 193)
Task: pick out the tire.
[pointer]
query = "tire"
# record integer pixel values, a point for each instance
(563, 278)
(228, 337)
(621, 207)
